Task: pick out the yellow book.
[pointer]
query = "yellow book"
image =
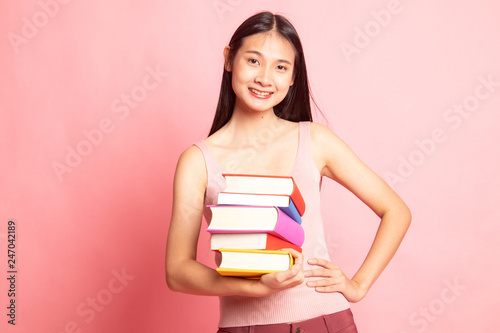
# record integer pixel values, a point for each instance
(253, 263)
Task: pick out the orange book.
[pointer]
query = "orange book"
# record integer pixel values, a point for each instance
(252, 241)
(253, 263)
(265, 185)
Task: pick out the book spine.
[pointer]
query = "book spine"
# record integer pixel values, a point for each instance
(288, 229)
(244, 273)
(292, 211)
(298, 199)
(276, 243)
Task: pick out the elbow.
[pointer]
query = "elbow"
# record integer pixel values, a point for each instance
(172, 285)
(172, 282)
(172, 277)
(403, 213)
(406, 216)
(169, 280)
(400, 215)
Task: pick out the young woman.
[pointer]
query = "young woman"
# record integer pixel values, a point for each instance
(263, 125)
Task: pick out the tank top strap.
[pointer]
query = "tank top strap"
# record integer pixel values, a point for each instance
(215, 181)
(305, 137)
(304, 150)
(305, 165)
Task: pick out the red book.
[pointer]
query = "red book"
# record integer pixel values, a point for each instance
(252, 241)
(265, 185)
(255, 219)
(282, 202)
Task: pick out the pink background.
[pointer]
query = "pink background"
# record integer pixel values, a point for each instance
(390, 76)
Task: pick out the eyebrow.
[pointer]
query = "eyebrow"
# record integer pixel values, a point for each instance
(260, 55)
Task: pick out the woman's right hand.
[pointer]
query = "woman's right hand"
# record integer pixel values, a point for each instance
(274, 282)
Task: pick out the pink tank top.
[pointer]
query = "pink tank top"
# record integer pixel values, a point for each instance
(298, 303)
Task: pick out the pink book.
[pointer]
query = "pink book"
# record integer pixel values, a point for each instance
(255, 219)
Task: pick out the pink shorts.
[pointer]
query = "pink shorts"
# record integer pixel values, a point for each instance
(339, 322)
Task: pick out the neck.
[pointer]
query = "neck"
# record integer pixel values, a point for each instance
(247, 123)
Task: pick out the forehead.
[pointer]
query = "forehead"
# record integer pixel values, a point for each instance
(270, 44)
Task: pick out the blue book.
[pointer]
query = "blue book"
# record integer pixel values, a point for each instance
(292, 211)
(283, 202)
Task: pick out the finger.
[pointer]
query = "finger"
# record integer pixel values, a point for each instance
(286, 275)
(320, 272)
(285, 279)
(321, 283)
(298, 277)
(298, 257)
(321, 262)
(329, 289)
(289, 274)
(326, 285)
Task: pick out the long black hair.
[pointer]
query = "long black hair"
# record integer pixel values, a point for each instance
(296, 105)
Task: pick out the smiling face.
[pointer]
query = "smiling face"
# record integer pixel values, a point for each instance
(262, 71)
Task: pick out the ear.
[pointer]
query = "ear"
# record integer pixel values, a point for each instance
(227, 62)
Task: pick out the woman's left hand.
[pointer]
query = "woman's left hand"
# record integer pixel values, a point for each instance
(334, 280)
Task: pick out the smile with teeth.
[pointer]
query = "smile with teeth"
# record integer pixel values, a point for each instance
(260, 93)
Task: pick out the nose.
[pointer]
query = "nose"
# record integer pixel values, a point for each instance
(264, 76)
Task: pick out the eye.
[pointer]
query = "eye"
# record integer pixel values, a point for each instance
(281, 68)
(253, 61)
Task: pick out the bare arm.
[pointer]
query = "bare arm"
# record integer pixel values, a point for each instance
(183, 272)
(338, 162)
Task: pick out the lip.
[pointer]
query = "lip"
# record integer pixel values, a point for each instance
(270, 93)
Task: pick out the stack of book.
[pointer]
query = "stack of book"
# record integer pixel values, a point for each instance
(255, 217)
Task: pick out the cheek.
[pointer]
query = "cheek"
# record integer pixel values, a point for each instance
(237, 86)
(285, 84)
(234, 82)
(239, 77)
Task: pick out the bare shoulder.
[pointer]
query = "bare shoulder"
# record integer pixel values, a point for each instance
(329, 151)
(191, 165)
(192, 154)
(192, 157)
(319, 131)
(323, 138)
